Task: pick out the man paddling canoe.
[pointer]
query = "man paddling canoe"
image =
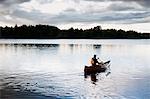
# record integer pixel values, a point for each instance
(94, 61)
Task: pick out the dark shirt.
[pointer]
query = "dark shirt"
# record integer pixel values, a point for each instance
(95, 61)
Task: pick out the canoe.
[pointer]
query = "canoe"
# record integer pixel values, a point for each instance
(102, 67)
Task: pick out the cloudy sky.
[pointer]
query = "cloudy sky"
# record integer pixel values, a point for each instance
(118, 14)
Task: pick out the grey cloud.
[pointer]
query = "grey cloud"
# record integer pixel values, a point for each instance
(144, 3)
(106, 17)
(70, 10)
(7, 6)
(34, 15)
(121, 7)
(45, 1)
(2, 1)
(11, 2)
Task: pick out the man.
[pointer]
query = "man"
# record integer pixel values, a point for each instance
(94, 61)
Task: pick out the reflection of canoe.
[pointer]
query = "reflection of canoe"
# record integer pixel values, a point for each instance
(96, 69)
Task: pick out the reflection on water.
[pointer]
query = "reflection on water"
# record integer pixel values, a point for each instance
(92, 77)
(47, 71)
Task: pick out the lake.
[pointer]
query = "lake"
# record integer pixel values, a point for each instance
(53, 69)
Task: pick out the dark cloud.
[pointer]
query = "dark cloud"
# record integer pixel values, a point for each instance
(11, 2)
(34, 15)
(70, 10)
(122, 7)
(1, 1)
(7, 6)
(45, 1)
(144, 3)
(106, 17)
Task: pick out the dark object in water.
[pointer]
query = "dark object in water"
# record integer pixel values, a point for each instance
(102, 67)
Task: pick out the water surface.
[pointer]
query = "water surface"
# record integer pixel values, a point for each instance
(53, 69)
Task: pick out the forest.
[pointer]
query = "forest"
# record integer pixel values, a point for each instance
(52, 32)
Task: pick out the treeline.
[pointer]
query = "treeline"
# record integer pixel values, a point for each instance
(52, 32)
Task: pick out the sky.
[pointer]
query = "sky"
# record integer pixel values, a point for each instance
(117, 14)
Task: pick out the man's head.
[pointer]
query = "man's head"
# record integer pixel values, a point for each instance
(94, 56)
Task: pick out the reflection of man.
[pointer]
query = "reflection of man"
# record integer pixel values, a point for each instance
(94, 61)
(93, 78)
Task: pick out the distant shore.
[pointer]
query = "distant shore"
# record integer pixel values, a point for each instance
(52, 32)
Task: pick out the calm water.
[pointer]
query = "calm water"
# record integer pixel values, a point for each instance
(55, 70)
